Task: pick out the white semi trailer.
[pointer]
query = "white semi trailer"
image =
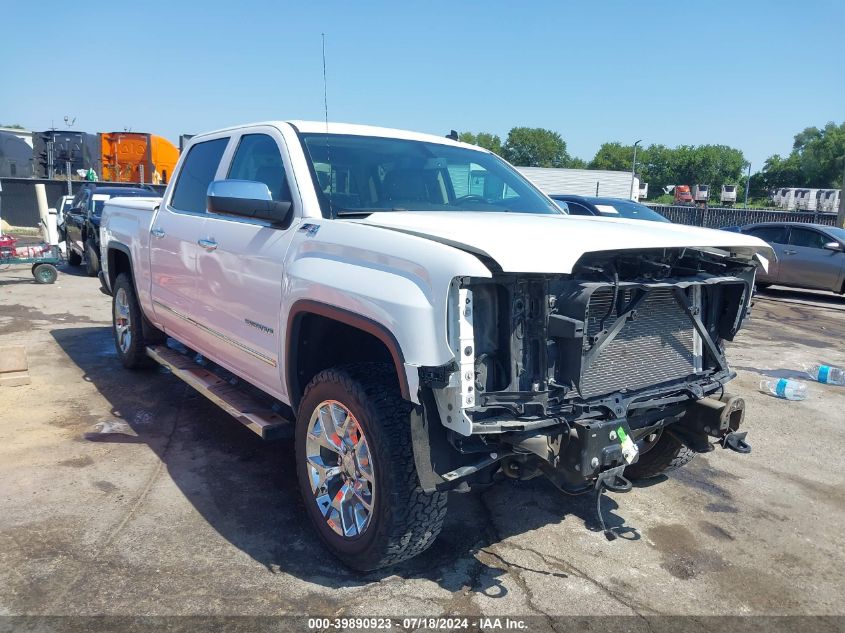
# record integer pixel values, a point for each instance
(583, 182)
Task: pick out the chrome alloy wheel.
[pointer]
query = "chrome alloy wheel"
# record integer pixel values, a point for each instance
(122, 320)
(340, 469)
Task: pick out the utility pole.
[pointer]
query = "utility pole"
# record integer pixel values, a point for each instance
(634, 168)
(747, 185)
(840, 217)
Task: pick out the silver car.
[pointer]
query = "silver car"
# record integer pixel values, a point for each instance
(808, 255)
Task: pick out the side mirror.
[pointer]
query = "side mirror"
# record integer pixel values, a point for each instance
(247, 198)
(563, 206)
(834, 246)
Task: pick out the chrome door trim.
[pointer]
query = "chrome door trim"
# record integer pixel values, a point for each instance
(236, 344)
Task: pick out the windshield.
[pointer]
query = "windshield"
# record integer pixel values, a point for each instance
(363, 174)
(627, 209)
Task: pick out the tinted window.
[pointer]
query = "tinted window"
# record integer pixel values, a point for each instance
(770, 234)
(364, 174)
(257, 158)
(807, 238)
(836, 234)
(196, 174)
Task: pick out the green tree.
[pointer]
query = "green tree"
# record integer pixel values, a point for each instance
(821, 154)
(817, 160)
(614, 156)
(777, 172)
(13, 126)
(535, 147)
(483, 139)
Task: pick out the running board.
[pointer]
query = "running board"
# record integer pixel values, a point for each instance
(254, 415)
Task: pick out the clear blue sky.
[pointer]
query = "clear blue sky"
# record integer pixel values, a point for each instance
(745, 73)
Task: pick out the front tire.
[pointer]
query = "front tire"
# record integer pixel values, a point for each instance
(664, 454)
(356, 469)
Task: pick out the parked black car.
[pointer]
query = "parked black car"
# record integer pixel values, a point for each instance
(82, 222)
(608, 207)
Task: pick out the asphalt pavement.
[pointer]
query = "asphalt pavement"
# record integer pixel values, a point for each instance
(126, 493)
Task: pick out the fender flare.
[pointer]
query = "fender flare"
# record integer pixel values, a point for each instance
(114, 245)
(302, 307)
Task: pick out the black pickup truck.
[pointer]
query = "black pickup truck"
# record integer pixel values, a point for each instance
(82, 222)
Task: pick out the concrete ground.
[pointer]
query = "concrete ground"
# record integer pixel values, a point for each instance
(127, 493)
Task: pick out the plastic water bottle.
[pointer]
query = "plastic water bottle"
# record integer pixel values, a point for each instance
(826, 374)
(784, 388)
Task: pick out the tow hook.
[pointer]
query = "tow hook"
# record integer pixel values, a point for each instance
(736, 442)
(613, 481)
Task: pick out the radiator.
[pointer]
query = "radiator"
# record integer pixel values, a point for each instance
(659, 346)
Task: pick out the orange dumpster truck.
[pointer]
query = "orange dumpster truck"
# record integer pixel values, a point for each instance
(137, 157)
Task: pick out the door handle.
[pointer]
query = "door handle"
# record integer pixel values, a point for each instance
(157, 232)
(789, 252)
(208, 244)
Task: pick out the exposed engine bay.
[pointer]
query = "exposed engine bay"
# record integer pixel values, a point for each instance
(569, 375)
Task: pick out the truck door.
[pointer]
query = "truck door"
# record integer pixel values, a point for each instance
(174, 233)
(241, 269)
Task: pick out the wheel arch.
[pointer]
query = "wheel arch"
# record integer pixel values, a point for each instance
(305, 357)
(118, 260)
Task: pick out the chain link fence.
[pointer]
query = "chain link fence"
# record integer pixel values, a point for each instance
(719, 217)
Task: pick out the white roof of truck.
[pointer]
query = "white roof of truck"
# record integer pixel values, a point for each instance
(315, 127)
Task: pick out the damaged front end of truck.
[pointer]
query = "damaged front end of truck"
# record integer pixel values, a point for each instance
(576, 376)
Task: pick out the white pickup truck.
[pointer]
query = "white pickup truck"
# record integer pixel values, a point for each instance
(420, 318)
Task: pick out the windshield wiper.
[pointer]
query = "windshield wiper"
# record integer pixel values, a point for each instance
(349, 213)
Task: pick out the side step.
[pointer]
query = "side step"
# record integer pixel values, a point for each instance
(253, 414)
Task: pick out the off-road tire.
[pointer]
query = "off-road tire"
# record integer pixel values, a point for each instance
(73, 258)
(92, 261)
(135, 357)
(405, 519)
(666, 455)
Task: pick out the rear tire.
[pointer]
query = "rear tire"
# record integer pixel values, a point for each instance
(128, 325)
(402, 520)
(92, 261)
(667, 454)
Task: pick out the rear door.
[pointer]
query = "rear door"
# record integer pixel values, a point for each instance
(241, 268)
(174, 235)
(807, 264)
(776, 235)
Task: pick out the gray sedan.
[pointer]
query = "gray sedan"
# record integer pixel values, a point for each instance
(808, 255)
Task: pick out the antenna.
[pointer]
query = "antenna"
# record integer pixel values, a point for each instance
(328, 143)
(325, 85)
(69, 122)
